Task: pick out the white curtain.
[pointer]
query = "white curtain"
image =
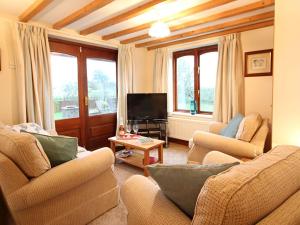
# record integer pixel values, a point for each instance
(229, 97)
(125, 80)
(160, 70)
(33, 68)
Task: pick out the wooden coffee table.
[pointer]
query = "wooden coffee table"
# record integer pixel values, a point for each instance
(137, 159)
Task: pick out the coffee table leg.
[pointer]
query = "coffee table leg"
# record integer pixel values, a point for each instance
(146, 162)
(161, 154)
(113, 148)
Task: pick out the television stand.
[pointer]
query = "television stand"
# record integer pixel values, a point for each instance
(153, 128)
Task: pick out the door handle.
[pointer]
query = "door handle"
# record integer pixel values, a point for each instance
(86, 100)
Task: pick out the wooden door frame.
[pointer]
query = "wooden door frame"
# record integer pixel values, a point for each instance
(74, 50)
(89, 52)
(79, 50)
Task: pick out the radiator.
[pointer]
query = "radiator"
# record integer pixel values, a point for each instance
(183, 128)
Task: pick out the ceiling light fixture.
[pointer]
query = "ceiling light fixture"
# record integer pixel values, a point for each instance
(159, 30)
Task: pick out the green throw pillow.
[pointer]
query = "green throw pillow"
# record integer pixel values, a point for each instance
(59, 149)
(182, 183)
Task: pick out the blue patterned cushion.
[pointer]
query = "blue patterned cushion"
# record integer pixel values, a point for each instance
(29, 127)
(232, 127)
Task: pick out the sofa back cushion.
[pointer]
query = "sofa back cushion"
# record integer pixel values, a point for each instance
(248, 127)
(25, 151)
(260, 136)
(248, 192)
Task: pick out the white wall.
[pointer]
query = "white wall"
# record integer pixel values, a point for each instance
(8, 90)
(286, 107)
(258, 90)
(142, 80)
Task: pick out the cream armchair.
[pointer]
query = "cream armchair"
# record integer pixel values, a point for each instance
(227, 198)
(205, 142)
(75, 192)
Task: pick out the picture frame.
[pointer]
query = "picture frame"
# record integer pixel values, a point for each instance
(259, 63)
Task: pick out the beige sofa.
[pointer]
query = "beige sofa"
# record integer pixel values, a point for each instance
(74, 193)
(263, 191)
(204, 142)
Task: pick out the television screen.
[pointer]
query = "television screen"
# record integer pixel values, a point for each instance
(147, 106)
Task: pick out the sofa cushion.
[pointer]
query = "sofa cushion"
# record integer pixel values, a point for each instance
(28, 127)
(25, 151)
(59, 149)
(248, 192)
(232, 127)
(182, 183)
(248, 127)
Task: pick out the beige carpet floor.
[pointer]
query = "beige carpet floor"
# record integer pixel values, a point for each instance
(174, 154)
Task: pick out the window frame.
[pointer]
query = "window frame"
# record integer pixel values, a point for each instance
(196, 52)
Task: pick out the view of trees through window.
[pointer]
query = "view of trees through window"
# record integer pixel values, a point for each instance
(185, 81)
(101, 86)
(208, 64)
(196, 84)
(64, 70)
(101, 76)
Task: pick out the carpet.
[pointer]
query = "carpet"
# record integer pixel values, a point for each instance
(174, 154)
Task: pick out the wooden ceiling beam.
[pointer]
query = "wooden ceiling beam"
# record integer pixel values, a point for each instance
(84, 11)
(238, 22)
(34, 9)
(222, 15)
(216, 34)
(184, 13)
(122, 17)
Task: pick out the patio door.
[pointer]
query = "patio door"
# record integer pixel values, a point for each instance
(84, 92)
(101, 96)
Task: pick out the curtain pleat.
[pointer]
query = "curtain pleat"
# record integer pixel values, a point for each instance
(229, 96)
(125, 80)
(160, 70)
(34, 48)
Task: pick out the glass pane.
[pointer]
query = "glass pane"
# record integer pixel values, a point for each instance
(185, 81)
(208, 73)
(102, 85)
(64, 72)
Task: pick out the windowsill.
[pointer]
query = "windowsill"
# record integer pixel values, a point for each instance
(190, 116)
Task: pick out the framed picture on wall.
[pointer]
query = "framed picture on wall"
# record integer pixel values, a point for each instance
(259, 63)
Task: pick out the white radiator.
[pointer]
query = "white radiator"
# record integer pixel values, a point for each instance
(183, 128)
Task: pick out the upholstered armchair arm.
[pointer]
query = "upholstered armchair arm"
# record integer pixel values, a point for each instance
(61, 179)
(216, 127)
(216, 157)
(226, 145)
(148, 206)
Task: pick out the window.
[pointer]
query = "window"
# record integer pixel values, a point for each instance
(65, 86)
(101, 76)
(195, 74)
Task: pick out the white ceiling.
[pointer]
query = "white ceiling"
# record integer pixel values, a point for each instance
(59, 9)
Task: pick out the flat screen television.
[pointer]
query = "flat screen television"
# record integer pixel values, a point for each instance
(147, 106)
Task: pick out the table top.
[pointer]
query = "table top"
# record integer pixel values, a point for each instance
(134, 143)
